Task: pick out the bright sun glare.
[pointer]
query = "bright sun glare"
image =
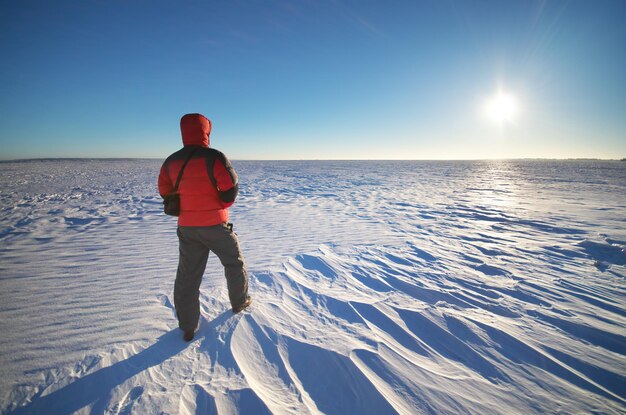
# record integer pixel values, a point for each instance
(502, 108)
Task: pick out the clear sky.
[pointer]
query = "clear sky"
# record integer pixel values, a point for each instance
(315, 79)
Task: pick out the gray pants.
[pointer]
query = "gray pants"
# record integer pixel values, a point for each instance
(195, 243)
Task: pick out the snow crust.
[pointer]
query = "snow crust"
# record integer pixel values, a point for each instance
(379, 287)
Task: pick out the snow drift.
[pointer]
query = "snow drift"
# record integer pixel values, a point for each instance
(379, 287)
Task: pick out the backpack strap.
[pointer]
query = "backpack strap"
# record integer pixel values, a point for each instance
(212, 155)
(180, 173)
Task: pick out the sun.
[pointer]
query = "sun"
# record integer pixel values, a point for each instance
(502, 108)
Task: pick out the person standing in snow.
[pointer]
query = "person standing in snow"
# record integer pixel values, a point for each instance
(207, 188)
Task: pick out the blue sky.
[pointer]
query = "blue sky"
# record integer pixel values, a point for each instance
(314, 79)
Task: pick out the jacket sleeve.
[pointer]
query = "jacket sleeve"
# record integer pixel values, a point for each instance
(226, 180)
(165, 183)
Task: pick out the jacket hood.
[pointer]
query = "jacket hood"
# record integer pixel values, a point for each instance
(195, 129)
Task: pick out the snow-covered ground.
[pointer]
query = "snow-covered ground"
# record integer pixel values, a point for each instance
(379, 287)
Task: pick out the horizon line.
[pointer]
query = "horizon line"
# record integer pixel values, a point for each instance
(322, 159)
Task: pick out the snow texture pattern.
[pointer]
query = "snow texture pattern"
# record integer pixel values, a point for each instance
(379, 287)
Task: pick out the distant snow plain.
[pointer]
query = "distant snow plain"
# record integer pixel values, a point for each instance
(482, 287)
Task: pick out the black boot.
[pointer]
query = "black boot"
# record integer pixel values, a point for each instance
(242, 306)
(188, 335)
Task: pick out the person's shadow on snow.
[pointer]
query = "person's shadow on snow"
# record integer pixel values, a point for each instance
(95, 388)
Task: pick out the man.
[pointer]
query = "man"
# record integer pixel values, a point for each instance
(207, 188)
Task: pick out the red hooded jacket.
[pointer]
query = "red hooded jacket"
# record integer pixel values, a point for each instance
(208, 186)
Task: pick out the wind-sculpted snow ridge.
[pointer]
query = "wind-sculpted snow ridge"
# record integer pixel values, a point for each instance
(462, 288)
(375, 330)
